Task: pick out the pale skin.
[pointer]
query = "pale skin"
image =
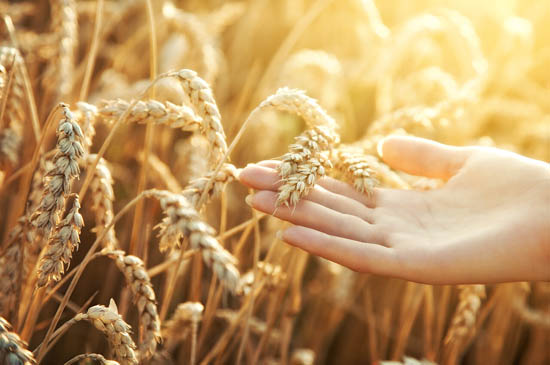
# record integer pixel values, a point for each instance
(489, 222)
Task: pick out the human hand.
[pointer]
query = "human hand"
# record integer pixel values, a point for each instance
(490, 222)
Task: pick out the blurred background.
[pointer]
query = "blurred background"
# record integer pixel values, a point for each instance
(460, 72)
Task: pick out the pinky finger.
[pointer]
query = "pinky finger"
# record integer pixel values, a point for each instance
(358, 256)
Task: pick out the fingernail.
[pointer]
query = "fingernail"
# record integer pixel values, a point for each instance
(279, 235)
(248, 199)
(379, 147)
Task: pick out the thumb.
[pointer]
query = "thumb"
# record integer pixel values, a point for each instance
(423, 157)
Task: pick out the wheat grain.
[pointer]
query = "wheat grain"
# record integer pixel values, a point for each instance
(194, 190)
(94, 357)
(144, 296)
(61, 245)
(12, 349)
(57, 183)
(183, 221)
(108, 321)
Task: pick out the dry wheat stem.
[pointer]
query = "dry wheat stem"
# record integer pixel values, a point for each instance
(194, 190)
(61, 245)
(108, 321)
(57, 183)
(12, 349)
(144, 296)
(183, 221)
(94, 357)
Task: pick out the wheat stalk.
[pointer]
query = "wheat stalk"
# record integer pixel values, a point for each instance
(144, 296)
(182, 221)
(108, 321)
(12, 349)
(57, 183)
(61, 245)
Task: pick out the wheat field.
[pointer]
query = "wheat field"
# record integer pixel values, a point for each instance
(124, 233)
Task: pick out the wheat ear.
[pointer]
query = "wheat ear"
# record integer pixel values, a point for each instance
(12, 349)
(201, 97)
(181, 221)
(144, 296)
(61, 245)
(94, 357)
(167, 113)
(101, 187)
(108, 321)
(11, 269)
(465, 316)
(13, 98)
(307, 159)
(194, 190)
(59, 75)
(57, 183)
(357, 169)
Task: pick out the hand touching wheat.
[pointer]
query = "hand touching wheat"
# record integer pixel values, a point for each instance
(490, 222)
